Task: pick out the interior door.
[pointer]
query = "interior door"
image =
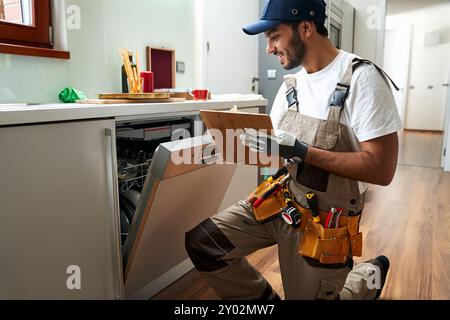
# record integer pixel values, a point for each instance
(429, 67)
(396, 63)
(232, 59)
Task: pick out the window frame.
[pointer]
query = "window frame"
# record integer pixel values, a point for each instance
(37, 35)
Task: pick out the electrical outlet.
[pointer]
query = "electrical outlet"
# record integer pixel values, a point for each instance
(271, 74)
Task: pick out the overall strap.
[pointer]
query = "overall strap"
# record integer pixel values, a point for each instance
(341, 93)
(381, 71)
(291, 91)
(343, 88)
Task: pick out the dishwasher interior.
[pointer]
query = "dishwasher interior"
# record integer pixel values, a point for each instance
(136, 144)
(161, 200)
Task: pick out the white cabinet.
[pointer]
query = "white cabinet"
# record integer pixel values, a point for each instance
(60, 211)
(58, 208)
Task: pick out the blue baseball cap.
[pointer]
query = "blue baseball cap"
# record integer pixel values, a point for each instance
(278, 11)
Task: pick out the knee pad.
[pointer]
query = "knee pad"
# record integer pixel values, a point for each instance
(207, 245)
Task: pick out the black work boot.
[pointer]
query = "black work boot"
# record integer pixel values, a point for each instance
(270, 294)
(383, 263)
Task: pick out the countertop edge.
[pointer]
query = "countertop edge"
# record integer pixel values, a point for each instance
(11, 115)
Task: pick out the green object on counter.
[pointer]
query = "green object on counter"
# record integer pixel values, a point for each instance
(70, 95)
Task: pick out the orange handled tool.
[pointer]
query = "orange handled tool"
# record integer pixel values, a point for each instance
(276, 187)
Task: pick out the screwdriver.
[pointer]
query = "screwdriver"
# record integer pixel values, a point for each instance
(313, 204)
(278, 186)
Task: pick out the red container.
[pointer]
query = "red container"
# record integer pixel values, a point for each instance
(200, 94)
(149, 82)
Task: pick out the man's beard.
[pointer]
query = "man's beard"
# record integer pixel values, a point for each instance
(295, 52)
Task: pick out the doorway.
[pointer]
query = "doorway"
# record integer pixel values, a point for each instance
(416, 55)
(232, 56)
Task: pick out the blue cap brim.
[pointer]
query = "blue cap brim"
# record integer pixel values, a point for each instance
(261, 26)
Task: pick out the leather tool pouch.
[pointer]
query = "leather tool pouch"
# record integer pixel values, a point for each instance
(332, 246)
(271, 207)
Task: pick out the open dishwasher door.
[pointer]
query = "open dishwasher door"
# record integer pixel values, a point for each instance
(175, 198)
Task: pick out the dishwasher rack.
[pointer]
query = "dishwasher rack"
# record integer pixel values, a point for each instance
(136, 144)
(132, 176)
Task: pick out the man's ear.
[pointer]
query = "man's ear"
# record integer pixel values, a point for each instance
(306, 29)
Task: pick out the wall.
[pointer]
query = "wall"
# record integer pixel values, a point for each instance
(94, 67)
(403, 6)
(370, 17)
(400, 13)
(30, 79)
(108, 25)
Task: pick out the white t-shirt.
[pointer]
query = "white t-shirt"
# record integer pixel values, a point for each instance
(370, 111)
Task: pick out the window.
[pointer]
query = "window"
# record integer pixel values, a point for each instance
(25, 29)
(25, 22)
(16, 11)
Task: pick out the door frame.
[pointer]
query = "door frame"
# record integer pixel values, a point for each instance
(446, 144)
(200, 42)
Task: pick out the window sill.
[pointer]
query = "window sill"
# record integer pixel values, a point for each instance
(33, 51)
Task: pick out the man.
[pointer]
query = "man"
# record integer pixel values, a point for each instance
(338, 129)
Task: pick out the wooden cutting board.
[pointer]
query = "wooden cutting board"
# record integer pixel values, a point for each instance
(134, 96)
(125, 101)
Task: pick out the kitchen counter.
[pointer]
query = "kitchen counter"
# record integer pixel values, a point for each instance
(60, 201)
(21, 114)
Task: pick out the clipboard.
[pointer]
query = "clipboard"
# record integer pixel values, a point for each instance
(225, 128)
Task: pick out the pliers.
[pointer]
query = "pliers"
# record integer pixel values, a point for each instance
(333, 215)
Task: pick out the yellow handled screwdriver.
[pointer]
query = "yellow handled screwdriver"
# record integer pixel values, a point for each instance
(313, 204)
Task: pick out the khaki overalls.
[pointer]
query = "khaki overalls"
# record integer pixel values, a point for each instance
(219, 245)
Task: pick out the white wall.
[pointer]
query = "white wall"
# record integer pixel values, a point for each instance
(422, 13)
(108, 25)
(95, 67)
(370, 18)
(403, 6)
(30, 79)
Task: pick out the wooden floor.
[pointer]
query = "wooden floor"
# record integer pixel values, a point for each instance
(409, 222)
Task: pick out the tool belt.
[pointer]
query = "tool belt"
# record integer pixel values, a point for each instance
(320, 245)
(331, 246)
(271, 198)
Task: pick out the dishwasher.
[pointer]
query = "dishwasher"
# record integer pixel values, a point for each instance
(160, 199)
(136, 145)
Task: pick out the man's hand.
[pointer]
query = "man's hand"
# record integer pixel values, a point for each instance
(282, 144)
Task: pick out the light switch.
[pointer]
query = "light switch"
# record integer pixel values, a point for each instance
(271, 74)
